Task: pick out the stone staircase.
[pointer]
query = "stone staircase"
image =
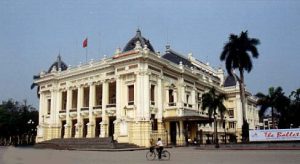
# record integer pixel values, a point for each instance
(84, 144)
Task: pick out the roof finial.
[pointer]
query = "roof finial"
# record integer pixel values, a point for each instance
(138, 32)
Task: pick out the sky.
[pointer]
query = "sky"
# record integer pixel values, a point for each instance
(34, 32)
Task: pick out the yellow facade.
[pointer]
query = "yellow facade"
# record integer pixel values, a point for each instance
(134, 96)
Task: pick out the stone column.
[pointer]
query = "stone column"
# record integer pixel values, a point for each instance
(118, 97)
(91, 124)
(68, 120)
(159, 98)
(78, 131)
(193, 98)
(103, 124)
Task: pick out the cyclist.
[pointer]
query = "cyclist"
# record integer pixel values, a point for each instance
(159, 147)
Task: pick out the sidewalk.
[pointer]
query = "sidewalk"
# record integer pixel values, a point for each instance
(252, 146)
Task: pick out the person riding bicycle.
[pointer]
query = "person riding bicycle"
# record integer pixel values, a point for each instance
(159, 147)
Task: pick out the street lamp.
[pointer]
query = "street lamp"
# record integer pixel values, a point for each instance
(224, 126)
(30, 131)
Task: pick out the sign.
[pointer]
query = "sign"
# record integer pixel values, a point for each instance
(275, 135)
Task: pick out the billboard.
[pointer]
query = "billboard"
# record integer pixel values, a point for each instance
(275, 135)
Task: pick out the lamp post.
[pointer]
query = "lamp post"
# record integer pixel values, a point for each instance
(224, 126)
(30, 130)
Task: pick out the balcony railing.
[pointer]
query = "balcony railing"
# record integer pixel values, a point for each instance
(73, 110)
(97, 107)
(62, 111)
(110, 105)
(130, 102)
(172, 104)
(84, 109)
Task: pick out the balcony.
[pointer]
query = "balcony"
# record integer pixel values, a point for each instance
(110, 105)
(172, 103)
(97, 107)
(62, 114)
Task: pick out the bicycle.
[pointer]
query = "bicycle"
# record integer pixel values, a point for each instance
(151, 155)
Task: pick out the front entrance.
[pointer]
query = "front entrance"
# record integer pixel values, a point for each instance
(111, 126)
(98, 127)
(62, 129)
(173, 132)
(84, 130)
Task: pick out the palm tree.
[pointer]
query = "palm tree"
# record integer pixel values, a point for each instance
(274, 100)
(236, 56)
(214, 102)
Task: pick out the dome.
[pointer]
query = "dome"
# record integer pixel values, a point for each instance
(230, 81)
(58, 65)
(138, 37)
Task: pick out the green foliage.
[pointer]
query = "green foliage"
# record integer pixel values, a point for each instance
(15, 120)
(286, 109)
(236, 52)
(214, 102)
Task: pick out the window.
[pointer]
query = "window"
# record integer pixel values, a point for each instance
(171, 96)
(48, 106)
(86, 96)
(64, 100)
(152, 89)
(74, 99)
(231, 125)
(112, 93)
(130, 94)
(98, 97)
(187, 98)
(154, 122)
(231, 113)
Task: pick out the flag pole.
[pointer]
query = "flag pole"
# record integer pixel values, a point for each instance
(86, 53)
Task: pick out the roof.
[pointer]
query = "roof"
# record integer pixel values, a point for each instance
(138, 37)
(230, 81)
(58, 65)
(176, 58)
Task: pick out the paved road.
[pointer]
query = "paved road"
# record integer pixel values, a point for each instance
(12, 155)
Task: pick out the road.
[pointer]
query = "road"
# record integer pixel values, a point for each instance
(12, 155)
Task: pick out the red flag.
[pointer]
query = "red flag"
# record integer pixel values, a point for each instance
(85, 43)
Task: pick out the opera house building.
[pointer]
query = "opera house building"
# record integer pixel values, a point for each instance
(138, 94)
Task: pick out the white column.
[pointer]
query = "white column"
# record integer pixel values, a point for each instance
(193, 98)
(78, 130)
(58, 106)
(118, 97)
(159, 98)
(68, 120)
(91, 124)
(53, 106)
(146, 94)
(103, 124)
(138, 96)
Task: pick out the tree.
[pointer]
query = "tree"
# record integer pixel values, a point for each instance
(276, 100)
(214, 102)
(236, 56)
(15, 124)
(294, 109)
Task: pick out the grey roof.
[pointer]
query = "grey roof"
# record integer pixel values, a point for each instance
(230, 81)
(176, 58)
(58, 64)
(138, 37)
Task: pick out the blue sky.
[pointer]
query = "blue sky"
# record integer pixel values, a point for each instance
(33, 32)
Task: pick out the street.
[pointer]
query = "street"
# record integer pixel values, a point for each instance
(12, 155)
